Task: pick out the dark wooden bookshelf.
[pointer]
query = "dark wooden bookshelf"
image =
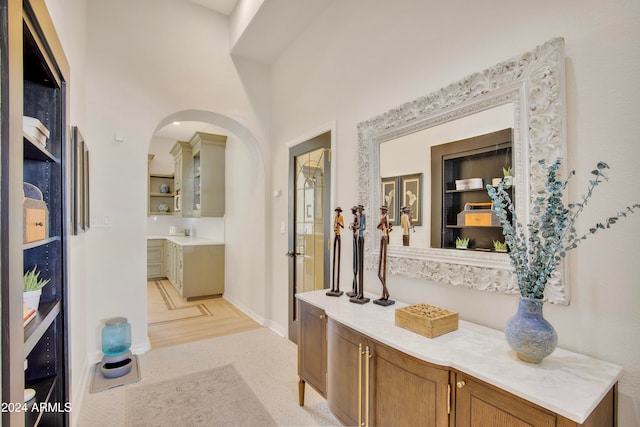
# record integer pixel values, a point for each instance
(35, 76)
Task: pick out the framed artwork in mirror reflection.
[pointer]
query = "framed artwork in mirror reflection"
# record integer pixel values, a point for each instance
(390, 197)
(411, 196)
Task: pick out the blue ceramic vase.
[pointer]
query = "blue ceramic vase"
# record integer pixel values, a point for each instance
(529, 334)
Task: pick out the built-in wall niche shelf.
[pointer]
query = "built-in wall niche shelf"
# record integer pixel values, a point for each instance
(33, 151)
(36, 328)
(480, 158)
(44, 390)
(38, 243)
(156, 198)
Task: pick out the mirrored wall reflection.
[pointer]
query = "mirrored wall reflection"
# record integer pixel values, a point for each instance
(533, 84)
(410, 155)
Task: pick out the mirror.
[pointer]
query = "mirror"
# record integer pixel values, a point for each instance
(525, 93)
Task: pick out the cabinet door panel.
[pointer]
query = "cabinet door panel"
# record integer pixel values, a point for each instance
(343, 389)
(407, 391)
(312, 347)
(479, 404)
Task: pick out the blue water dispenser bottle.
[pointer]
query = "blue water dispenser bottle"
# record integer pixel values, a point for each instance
(116, 336)
(116, 340)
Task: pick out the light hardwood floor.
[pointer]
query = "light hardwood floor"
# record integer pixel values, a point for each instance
(173, 321)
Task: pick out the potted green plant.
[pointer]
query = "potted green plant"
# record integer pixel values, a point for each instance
(499, 246)
(535, 251)
(462, 243)
(32, 287)
(508, 176)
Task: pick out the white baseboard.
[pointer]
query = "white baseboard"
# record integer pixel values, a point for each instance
(77, 396)
(259, 319)
(278, 329)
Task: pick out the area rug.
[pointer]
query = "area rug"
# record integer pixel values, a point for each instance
(217, 397)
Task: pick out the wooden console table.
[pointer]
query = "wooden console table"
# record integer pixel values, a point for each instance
(375, 373)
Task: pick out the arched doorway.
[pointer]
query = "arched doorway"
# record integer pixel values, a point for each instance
(244, 225)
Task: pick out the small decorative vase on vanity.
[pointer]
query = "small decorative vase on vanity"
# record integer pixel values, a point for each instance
(529, 334)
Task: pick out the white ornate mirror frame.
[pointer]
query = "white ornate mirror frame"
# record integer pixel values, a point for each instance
(534, 83)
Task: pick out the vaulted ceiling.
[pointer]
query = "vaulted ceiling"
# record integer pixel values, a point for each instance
(275, 25)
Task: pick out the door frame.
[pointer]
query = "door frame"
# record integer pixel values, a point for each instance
(296, 147)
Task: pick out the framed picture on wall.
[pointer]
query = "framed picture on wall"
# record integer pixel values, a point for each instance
(411, 196)
(85, 187)
(390, 197)
(79, 182)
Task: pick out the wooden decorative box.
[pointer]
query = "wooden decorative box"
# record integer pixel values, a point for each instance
(427, 320)
(478, 215)
(35, 215)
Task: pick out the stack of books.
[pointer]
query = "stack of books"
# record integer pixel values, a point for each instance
(27, 313)
(35, 130)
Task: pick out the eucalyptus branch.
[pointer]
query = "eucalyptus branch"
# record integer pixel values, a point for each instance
(602, 226)
(551, 230)
(577, 208)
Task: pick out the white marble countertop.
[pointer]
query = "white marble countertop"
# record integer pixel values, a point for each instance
(567, 383)
(187, 240)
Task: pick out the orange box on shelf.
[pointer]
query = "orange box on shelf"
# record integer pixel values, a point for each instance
(477, 215)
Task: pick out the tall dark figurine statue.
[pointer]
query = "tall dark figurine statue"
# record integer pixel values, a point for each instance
(354, 229)
(338, 224)
(362, 226)
(385, 227)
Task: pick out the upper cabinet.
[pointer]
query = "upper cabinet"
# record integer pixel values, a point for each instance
(197, 186)
(208, 151)
(183, 175)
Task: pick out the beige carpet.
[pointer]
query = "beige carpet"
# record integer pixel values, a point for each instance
(217, 397)
(266, 362)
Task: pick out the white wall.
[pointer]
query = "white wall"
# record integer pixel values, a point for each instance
(147, 60)
(363, 57)
(69, 19)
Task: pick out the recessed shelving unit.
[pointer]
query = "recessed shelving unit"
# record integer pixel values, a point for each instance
(35, 355)
(482, 157)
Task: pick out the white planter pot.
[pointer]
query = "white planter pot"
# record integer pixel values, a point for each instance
(32, 298)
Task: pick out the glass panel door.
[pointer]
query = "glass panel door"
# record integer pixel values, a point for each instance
(308, 251)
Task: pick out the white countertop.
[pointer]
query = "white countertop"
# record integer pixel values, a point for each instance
(187, 240)
(567, 383)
